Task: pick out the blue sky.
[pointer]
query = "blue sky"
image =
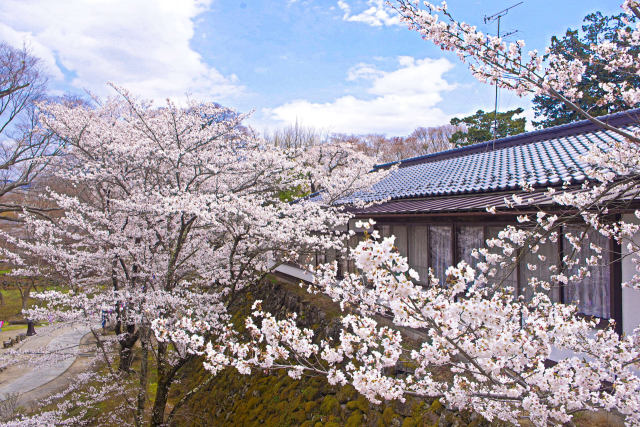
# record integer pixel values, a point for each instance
(338, 65)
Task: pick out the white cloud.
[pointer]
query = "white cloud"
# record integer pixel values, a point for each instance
(398, 101)
(142, 45)
(376, 14)
(364, 71)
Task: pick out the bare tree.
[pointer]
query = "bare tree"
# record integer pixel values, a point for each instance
(386, 148)
(433, 139)
(389, 149)
(25, 149)
(296, 136)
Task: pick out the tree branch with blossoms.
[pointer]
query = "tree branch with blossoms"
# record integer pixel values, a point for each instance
(173, 211)
(495, 61)
(494, 344)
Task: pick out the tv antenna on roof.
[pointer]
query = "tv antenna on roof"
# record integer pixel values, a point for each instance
(487, 20)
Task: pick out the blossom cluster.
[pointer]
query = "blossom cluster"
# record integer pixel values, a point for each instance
(493, 344)
(166, 214)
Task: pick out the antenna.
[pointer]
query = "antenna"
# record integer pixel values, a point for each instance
(487, 20)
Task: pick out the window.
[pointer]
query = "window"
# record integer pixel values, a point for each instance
(419, 251)
(592, 294)
(430, 245)
(400, 231)
(468, 237)
(549, 251)
(440, 250)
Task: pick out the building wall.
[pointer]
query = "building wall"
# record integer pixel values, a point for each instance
(630, 297)
(411, 241)
(295, 272)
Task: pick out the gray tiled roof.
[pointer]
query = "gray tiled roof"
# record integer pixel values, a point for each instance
(542, 158)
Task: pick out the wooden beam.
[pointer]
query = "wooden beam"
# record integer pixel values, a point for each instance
(615, 283)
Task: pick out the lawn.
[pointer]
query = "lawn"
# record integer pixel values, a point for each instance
(12, 307)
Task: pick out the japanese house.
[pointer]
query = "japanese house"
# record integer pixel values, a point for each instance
(437, 209)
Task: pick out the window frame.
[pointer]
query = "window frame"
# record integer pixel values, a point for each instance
(615, 266)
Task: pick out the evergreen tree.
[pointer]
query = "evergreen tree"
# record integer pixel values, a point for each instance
(578, 45)
(480, 126)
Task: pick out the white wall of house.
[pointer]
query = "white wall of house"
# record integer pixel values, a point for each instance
(630, 297)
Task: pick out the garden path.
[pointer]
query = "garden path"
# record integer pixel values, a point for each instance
(25, 377)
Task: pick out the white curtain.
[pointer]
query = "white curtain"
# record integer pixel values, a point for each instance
(543, 271)
(468, 237)
(504, 274)
(592, 294)
(440, 250)
(418, 251)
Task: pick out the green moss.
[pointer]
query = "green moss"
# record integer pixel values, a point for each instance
(257, 412)
(298, 417)
(388, 415)
(436, 407)
(330, 405)
(346, 394)
(410, 422)
(332, 424)
(252, 402)
(310, 406)
(152, 388)
(418, 408)
(310, 393)
(355, 420)
(361, 404)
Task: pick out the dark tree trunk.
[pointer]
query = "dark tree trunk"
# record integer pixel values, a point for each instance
(165, 378)
(126, 341)
(142, 387)
(25, 298)
(160, 404)
(24, 295)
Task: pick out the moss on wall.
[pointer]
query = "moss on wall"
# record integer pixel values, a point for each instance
(277, 400)
(274, 399)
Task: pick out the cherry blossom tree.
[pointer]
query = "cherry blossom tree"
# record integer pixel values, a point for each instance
(172, 212)
(483, 347)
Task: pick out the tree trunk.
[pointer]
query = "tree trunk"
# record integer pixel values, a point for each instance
(165, 378)
(127, 341)
(24, 295)
(144, 374)
(166, 375)
(160, 404)
(25, 298)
